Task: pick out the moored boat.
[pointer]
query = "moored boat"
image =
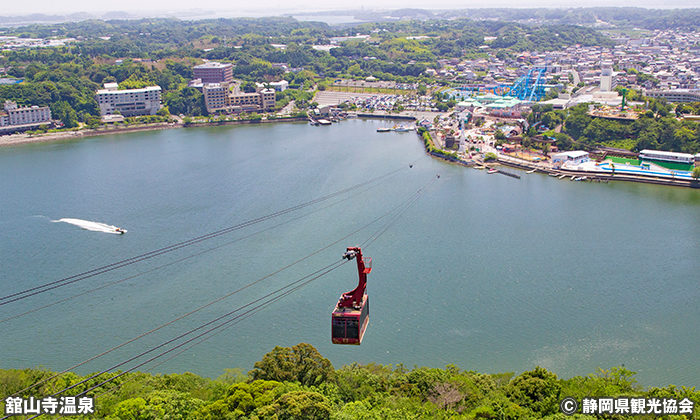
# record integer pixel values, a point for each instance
(402, 128)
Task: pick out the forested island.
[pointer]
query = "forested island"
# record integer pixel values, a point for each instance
(299, 383)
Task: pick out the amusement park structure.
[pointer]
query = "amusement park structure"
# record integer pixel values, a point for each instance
(529, 87)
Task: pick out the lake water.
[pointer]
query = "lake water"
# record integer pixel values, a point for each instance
(487, 272)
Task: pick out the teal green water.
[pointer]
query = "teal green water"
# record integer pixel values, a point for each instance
(487, 272)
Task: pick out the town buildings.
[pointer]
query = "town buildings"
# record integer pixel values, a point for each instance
(128, 102)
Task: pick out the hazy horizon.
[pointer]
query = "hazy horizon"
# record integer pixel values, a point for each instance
(276, 7)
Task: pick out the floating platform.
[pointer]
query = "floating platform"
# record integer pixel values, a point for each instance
(506, 173)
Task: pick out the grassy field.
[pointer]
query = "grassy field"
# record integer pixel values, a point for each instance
(667, 165)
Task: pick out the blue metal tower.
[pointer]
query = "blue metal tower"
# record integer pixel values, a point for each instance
(529, 87)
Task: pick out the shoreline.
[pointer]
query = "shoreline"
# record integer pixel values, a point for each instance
(22, 139)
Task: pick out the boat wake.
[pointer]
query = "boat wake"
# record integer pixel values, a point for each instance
(93, 226)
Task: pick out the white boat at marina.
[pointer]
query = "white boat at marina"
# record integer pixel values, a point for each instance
(403, 128)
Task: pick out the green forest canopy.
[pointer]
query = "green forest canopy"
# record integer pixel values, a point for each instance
(299, 383)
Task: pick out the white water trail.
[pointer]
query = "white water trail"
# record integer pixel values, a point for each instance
(93, 226)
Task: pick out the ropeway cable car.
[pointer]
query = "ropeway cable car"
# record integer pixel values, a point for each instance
(351, 315)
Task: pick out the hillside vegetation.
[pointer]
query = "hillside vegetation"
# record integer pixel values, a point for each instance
(298, 383)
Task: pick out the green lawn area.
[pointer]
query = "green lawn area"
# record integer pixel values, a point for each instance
(624, 160)
(668, 165)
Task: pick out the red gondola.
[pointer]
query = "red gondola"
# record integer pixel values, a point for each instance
(351, 315)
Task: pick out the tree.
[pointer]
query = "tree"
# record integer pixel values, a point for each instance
(188, 101)
(301, 363)
(297, 405)
(538, 390)
(63, 111)
(696, 173)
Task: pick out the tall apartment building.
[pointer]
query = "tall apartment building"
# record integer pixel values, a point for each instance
(214, 72)
(15, 116)
(128, 102)
(267, 97)
(215, 96)
(607, 77)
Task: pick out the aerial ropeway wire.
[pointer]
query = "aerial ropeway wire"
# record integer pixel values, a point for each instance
(254, 307)
(4, 300)
(396, 208)
(183, 258)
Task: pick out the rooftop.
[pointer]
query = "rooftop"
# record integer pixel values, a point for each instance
(213, 65)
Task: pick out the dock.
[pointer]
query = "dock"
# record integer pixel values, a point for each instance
(506, 173)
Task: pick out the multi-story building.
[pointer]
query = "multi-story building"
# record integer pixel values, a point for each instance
(214, 72)
(675, 95)
(128, 102)
(607, 77)
(215, 96)
(267, 98)
(15, 116)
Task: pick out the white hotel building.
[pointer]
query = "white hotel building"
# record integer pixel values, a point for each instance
(13, 116)
(129, 102)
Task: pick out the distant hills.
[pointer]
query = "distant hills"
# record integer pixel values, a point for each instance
(626, 17)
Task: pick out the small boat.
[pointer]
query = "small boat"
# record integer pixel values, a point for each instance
(493, 170)
(563, 176)
(532, 171)
(585, 178)
(578, 178)
(383, 130)
(553, 174)
(120, 231)
(573, 177)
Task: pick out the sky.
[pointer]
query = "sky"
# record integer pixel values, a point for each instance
(227, 8)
